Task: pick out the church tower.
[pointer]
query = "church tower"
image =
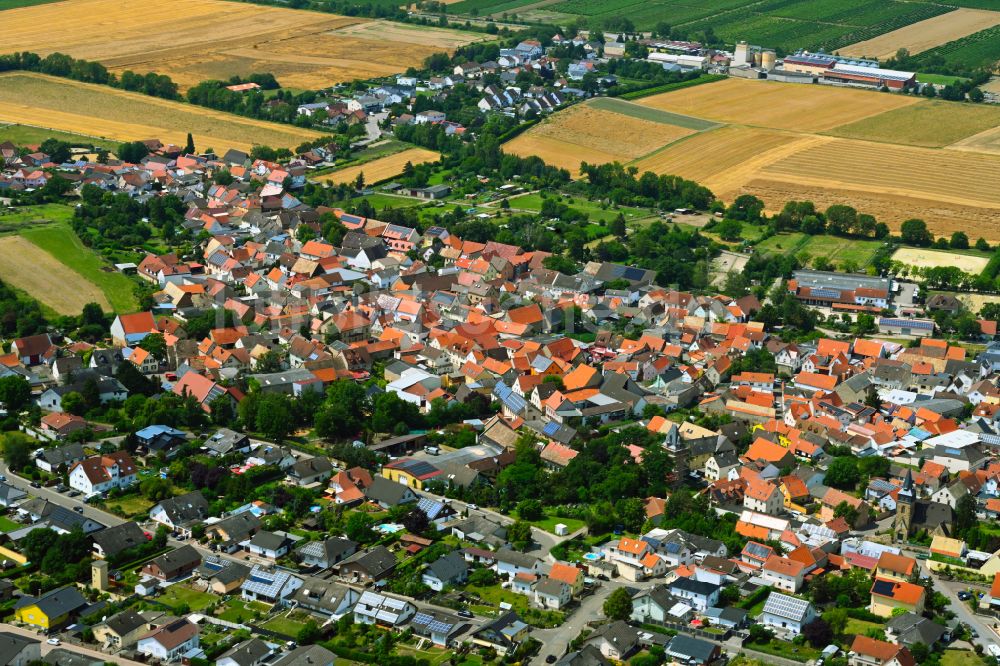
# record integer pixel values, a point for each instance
(904, 511)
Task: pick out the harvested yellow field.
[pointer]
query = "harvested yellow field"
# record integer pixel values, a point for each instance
(383, 168)
(193, 40)
(725, 159)
(35, 271)
(776, 105)
(586, 134)
(922, 258)
(987, 141)
(952, 191)
(101, 111)
(931, 123)
(926, 34)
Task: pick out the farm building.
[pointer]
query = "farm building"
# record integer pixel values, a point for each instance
(916, 327)
(809, 63)
(870, 76)
(828, 289)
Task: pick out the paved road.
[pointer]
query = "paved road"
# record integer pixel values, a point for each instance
(983, 625)
(61, 499)
(46, 648)
(556, 641)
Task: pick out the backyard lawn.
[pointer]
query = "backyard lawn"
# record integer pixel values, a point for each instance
(961, 658)
(288, 624)
(549, 524)
(785, 649)
(860, 627)
(492, 596)
(180, 594)
(132, 505)
(240, 611)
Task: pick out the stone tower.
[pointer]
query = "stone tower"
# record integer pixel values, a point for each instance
(903, 523)
(99, 576)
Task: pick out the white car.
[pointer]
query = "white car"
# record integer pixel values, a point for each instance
(53, 641)
(993, 649)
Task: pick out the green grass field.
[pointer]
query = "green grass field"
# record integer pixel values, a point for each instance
(238, 610)
(179, 594)
(14, 4)
(932, 124)
(939, 79)
(133, 505)
(13, 221)
(25, 134)
(7, 525)
(533, 203)
(836, 249)
(60, 241)
(651, 114)
(549, 524)
(860, 627)
(289, 626)
(961, 658)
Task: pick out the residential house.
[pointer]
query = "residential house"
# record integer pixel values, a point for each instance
(99, 474)
(786, 614)
(684, 649)
(504, 634)
(50, 610)
(18, 650)
(383, 610)
(326, 598)
(368, 565)
(270, 584)
(169, 642)
(867, 651)
(449, 569)
(222, 575)
(182, 512)
(888, 595)
(117, 539)
(121, 631)
(698, 594)
(173, 565)
(327, 553)
(270, 545)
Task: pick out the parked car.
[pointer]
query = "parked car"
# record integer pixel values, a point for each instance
(53, 641)
(78, 509)
(964, 596)
(35, 484)
(465, 613)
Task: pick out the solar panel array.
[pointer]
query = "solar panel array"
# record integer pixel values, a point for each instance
(432, 624)
(266, 586)
(783, 605)
(908, 323)
(825, 293)
(550, 429)
(883, 587)
(757, 550)
(506, 395)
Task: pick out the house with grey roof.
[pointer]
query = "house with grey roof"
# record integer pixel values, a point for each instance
(19, 650)
(326, 598)
(686, 649)
(222, 575)
(504, 634)
(117, 539)
(449, 569)
(181, 513)
(368, 565)
(251, 652)
(326, 553)
(270, 584)
(307, 655)
(11, 496)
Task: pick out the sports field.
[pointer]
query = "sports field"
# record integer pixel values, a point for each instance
(923, 258)
(195, 40)
(382, 168)
(776, 105)
(588, 133)
(85, 108)
(839, 250)
(927, 34)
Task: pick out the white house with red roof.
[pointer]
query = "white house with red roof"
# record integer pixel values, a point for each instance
(99, 474)
(130, 329)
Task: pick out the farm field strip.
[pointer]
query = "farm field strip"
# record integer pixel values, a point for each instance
(382, 168)
(589, 133)
(966, 179)
(85, 108)
(980, 49)
(724, 159)
(776, 105)
(943, 217)
(931, 123)
(649, 113)
(926, 34)
(302, 49)
(33, 270)
(987, 141)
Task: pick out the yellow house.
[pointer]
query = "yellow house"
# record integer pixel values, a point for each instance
(52, 609)
(410, 472)
(888, 595)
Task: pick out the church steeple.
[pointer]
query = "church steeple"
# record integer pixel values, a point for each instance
(905, 500)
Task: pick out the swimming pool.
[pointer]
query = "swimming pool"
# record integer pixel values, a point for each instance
(592, 557)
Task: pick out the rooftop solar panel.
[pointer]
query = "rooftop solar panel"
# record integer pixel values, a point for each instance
(883, 587)
(550, 428)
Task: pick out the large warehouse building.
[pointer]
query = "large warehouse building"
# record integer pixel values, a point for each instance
(830, 289)
(870, 76)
